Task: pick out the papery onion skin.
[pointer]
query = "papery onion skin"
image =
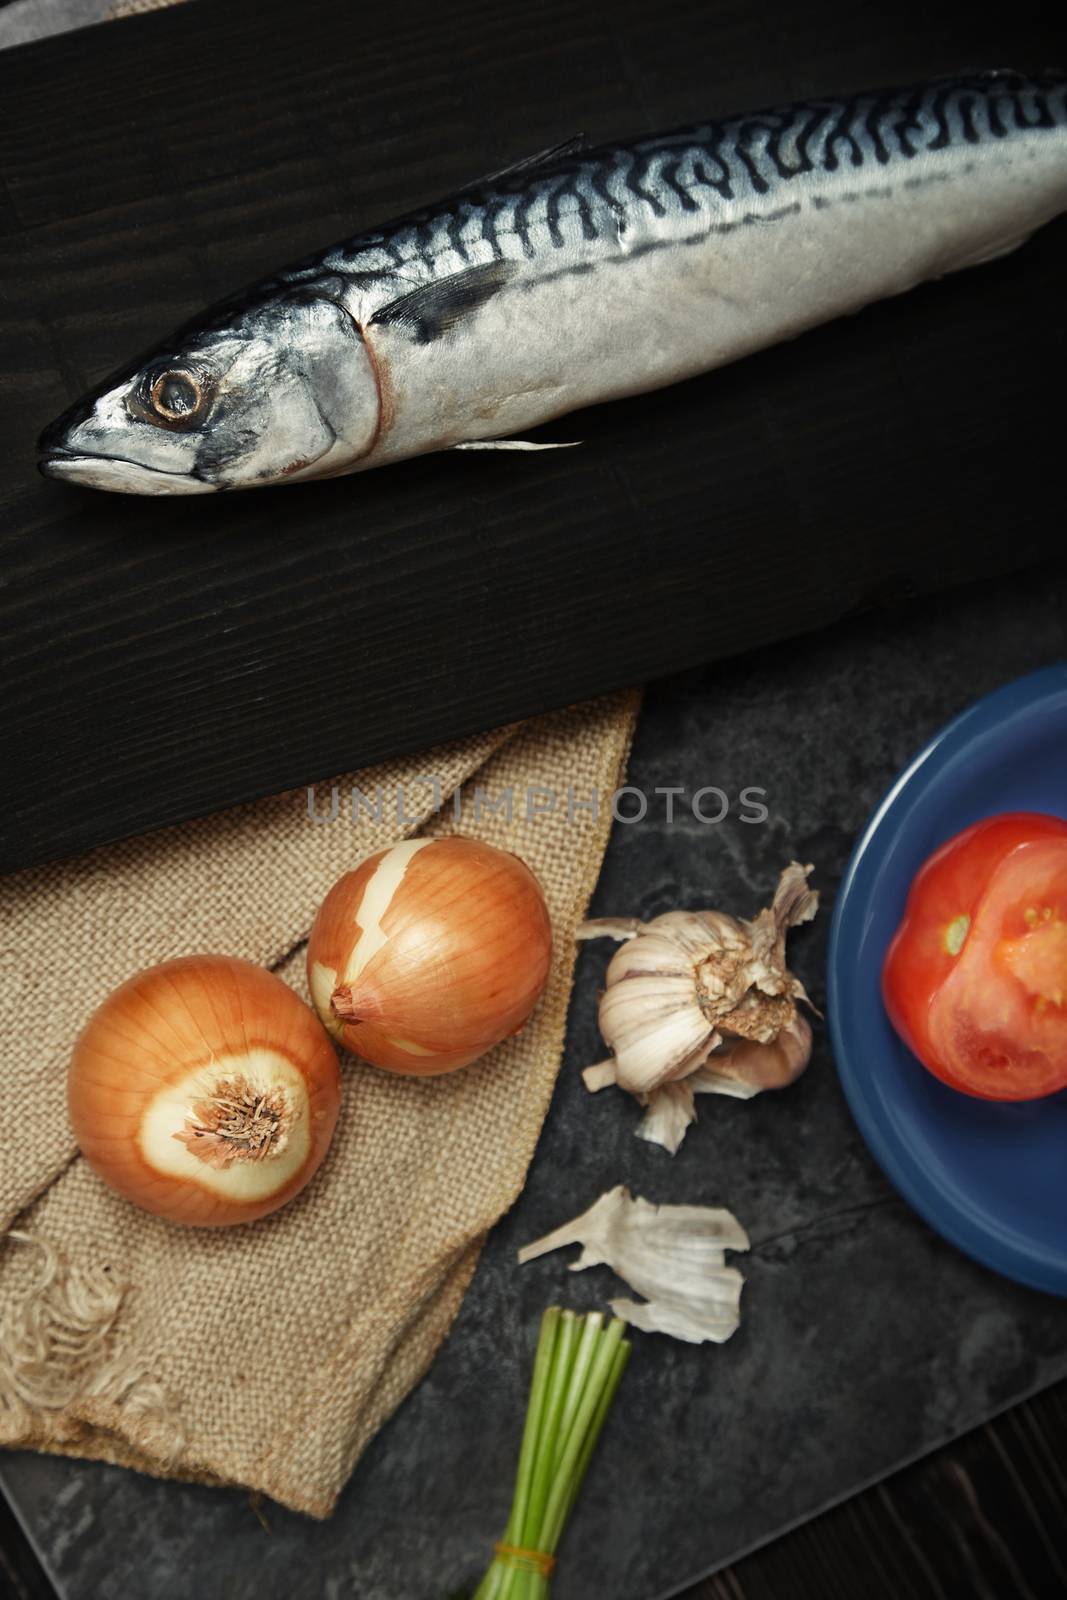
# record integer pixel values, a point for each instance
(151, 1065)
(430, 953)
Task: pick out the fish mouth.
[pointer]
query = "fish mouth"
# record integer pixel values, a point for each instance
(116, 474)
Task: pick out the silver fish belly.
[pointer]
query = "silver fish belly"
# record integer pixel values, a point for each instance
(577, 278)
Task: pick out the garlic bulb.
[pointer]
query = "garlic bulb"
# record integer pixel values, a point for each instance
(671, 1255)
(701, 1002)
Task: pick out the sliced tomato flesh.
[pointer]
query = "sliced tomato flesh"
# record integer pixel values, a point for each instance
(976, 979)
(998, 1021)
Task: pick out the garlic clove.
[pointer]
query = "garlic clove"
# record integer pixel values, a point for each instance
(657, 1031)
(652, 952)
(755, 1066)
(699, 934)
(673, 1256)
(708, 1081)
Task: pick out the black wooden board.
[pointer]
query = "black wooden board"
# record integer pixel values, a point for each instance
(166, 658)
(865, 1339)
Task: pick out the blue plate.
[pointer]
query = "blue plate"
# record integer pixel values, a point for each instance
(991, 1177)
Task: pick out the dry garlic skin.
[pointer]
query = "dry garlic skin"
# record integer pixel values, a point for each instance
(205, 1091)
(429, 954)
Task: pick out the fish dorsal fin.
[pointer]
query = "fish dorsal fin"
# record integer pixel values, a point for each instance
(435, 308)
(528, 164)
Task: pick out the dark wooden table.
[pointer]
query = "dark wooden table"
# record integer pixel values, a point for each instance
(165, 663)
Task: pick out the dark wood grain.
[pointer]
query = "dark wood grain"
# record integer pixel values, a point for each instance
(166, 658)
(982, 1519)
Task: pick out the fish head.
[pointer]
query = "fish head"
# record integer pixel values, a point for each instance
(274, 390)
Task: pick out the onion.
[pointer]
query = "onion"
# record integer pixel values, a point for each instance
(429, 953)
(205, 1091)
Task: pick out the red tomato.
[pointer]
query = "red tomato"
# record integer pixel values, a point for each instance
(975, 981)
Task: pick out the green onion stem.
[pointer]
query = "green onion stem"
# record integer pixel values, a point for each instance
(543, 1364)
(497, 1583)
(541, 1486)
(583, 1361)
(618, 1367)
(577, 1369)
(558, 1501)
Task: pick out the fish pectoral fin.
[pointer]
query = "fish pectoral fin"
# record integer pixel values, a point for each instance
(992, 251)
(434, 308)
(516, 444)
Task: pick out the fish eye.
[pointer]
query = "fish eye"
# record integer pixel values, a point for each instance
(176, 395)
(174, 398)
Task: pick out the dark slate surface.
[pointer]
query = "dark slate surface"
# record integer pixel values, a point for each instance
(166, 658)
(865, 1339)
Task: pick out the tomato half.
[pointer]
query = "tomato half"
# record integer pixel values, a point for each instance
(975, 981)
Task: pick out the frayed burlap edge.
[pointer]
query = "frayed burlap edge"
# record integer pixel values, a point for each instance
(62, 1360)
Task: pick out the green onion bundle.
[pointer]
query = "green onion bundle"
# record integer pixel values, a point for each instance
(577, 1369)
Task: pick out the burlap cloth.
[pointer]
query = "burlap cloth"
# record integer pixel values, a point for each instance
(269, 1354)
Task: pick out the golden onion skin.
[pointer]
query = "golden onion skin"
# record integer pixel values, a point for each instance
(205, 1091)
(430, 953)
